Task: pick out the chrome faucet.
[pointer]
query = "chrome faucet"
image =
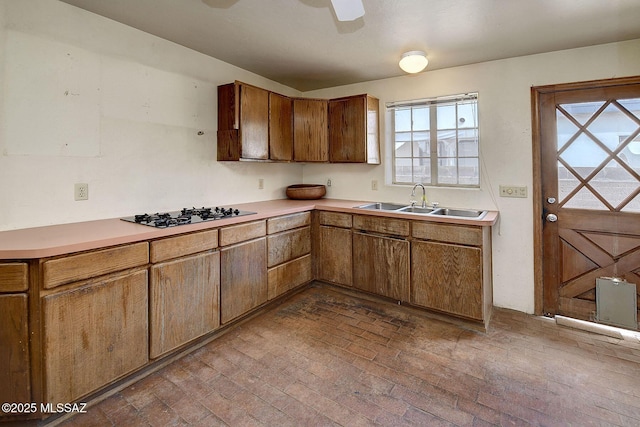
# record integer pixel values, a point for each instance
(424, 196)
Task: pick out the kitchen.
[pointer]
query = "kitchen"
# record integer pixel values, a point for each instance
(137, 97)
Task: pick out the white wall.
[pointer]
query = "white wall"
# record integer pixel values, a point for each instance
(505, 141)
(87, 100)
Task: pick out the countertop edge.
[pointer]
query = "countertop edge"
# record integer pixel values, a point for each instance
(55, 240)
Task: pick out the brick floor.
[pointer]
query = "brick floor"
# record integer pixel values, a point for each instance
(327, 358)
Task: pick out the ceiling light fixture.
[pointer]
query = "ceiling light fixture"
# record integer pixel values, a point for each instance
(414, 61)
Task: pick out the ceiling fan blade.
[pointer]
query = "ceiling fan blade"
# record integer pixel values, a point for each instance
(348, 10)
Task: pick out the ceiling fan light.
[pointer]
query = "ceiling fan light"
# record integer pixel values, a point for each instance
(348, 10)
(414, 61)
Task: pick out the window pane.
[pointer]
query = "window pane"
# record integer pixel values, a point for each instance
(446, 116)
(468, 171)
(448, 170)
(403, 171)
(403, 120)
(421, 118)
(421, 146)
(403, 145)
(467, 147)
(447, 143)
(422, 170)
(467, 115)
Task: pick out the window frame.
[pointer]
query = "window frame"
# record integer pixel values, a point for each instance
(435, 162)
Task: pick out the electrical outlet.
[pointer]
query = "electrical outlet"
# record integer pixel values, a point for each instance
(81, 191)
(513, 191)
(260, 184)
(329, 182)
(374, 184)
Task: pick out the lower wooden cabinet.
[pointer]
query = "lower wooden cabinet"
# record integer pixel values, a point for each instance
(184, 296)
(243, 278)
(289, 252)
(94, 334)
(334, 255)
(14, 350)
(382, 265)
(289, 275)
(448, 278)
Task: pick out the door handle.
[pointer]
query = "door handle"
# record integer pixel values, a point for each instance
(552, 217)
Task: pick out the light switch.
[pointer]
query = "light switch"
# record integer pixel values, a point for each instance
(513, 191)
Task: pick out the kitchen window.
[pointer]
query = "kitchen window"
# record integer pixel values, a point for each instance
(436, 141)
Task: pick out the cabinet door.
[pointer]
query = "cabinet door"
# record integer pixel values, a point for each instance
(93, 335)
(310, 133)
(382, 267)
(14, 350)
(348, 129)
(335, 257)
(254, 122)
(243, 278)
(447, 277)
(353, 130)
(184, 301)
(280, 127)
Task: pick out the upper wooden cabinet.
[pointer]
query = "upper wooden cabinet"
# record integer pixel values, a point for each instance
(253, 123)
(310, 133)
(353, 130)
(280, 127)
(257, 124)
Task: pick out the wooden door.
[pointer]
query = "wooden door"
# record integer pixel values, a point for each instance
(280, 127)
(243, 278)
(447, 277)
(334, 255)
(348, 129)
(184, 301)
(254, 122)
(14, 350)
(589, 199)
(93, 335)
(382, 267)
(310, 130)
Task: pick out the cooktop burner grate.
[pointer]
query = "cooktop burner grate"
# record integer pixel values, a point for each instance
(185, 216)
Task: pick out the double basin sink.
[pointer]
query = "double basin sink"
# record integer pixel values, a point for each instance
(429, 211)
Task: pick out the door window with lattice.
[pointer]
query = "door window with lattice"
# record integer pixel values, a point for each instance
(599, 155)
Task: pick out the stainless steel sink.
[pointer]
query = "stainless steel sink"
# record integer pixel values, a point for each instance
(465, 213)
(381, 206)
(433, 211)
(416, 209)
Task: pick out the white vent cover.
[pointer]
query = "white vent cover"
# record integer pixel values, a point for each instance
(616, 303)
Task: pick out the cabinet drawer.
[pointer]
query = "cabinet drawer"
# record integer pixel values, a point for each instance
(396, 227)
(178, 246)
(288, 245)
(289, 275)
(448, 233)
(335, 219)
(14, 277)
(91, 264)
(288, 222)
(241, 232)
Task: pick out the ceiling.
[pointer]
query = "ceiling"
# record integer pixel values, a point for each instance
(300, 43)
